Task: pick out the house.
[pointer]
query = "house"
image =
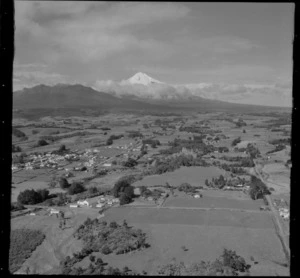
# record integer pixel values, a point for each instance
(54, 211)
(83, 203)
(107, 164)
(137, 191)
(73, 206)
(116, 200)
(284, 213)
(197, 196)
(109, 202)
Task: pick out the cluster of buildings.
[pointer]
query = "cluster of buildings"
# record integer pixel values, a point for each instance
(101, 202)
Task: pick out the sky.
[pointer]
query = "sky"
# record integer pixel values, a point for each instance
(240, 52)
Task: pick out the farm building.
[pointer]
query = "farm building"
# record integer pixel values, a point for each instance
(83, 203)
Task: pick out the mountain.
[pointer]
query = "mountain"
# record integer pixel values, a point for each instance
(78, 100)
(143, 79)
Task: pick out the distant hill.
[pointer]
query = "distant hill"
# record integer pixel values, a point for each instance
(64, 99)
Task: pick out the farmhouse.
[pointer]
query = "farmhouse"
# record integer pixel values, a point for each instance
(54, 211)
(83, 203)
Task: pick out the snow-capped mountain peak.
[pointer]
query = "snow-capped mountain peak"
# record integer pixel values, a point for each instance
(142, 78)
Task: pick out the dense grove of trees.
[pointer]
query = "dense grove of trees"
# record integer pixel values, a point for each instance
(32, 197)
(170, 164)
(241, 161)
(278, 148)
(152, 142)
(221, 182)
(22, 243)
(258, 189)
(130, 163)
(187, 188)
(19, 159)
(228, 264)
(284, 141)
(41, 143)
(155, 193)
(135, 134)
(99, 236)
(196, 145)
(123, 190)
(75, 188)
(235, 169)
(96, 267)
(16, 206)
(63, 183)
(240, 123)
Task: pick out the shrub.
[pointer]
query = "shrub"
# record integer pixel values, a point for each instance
(29, 197)
(16, 149)
(236, 141)
(258, 189)
(22, 243)
(93, 190)
(124, 199)
(130, 163)
(41, 143)
(109, 141)
(18, 133)
(62, 148)
(63, 183)
(106, 250)
(75, 188)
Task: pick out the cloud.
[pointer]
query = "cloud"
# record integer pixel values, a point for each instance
(30, 78)
(90, 31)
(247, 94)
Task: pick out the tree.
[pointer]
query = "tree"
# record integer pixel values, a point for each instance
(29, 197)
(44, 193)
(63, 183)
(109, 141)
(130, 163)
(258, 189)
(106, 250)
(129, 191)
(75, 188)
(124, 199)
(62, 148)
(41, 143)
(206, 182)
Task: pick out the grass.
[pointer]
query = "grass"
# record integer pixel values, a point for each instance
(22, 243)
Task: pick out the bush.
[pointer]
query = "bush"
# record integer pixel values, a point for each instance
(109, 141)
(22, 243)
(30, 197)
(63, 183)
(106, 250)
(123, 185)
(62, 148)
(76, 188)
(93, 190)
(258, 189)
(41, 143)
(236, 141)
(124, 199)
(18, 133)
(130, 163)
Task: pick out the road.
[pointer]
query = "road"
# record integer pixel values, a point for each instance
(276, 216)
